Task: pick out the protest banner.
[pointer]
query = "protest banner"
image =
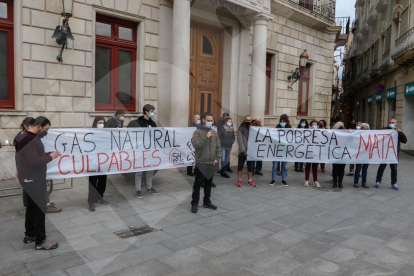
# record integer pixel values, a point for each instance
(85, 152)
(323, 146)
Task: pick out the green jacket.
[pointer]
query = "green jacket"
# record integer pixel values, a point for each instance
(207, 150)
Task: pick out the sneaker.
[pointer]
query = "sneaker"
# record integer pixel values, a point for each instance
(92, 207)
(47, 245)
(306, 184)
(229, 170)
(251, 183)
(272, 183)
(394, 187)
(209, 205)
(152, 191)
(259, 173)
(316, 184)
(28, 239)
(102, 201)
(213, 185)
(239, 183)
(194, 209)
(377, 185)
(225, 175)
(51, 208)
(350, 174)
(284, 183)
(356, 185)
(138, 194)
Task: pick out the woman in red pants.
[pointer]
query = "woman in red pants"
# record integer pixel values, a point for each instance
(314, 125)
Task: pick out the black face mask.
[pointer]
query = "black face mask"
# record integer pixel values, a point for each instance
(248, 124)
(341, 127)
(321, 126)
(42, 134)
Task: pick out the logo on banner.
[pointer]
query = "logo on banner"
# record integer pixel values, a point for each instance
(176, 158)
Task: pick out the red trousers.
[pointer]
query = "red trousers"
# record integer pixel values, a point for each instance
(314, 171)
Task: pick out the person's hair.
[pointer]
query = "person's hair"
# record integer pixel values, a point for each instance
(393, 118)
(97, 119)
(205, 114)
(225, 114)
(228, 119)
(147, 107)
(365, 126)
(26, 122)
(41, 120)
(285, 119)
(323, 122)
(245, 117)
(306, 122)
(352, 125)
(195, 116)
(313, 121)
(338, 125)
(256, 123)
(119, 112)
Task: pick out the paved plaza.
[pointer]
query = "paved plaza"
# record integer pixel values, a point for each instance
(278, 230)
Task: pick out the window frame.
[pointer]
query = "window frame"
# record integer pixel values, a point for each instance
(306, 77)
(7, 26)
(115, 44)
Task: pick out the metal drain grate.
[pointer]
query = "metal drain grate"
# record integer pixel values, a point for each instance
(328, 189)
(133, 232)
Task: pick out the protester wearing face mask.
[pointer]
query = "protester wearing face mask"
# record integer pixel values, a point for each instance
(363, 167)
(117, 120)
(392, 124)
(258, 164)
(283, 123)
(314, 166)
(358, 126)
(145, 121)
(299, 165)
(97, 183)
(206, 143)
(227, 138)
(242, 140)
(352, 126)
(32, 168)
(322, 125)
(196, 122)
(338, 170)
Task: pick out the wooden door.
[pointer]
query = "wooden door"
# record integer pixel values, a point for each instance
(205, 70)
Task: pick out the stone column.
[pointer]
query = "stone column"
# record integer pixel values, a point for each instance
(258, 77)
(179, 104)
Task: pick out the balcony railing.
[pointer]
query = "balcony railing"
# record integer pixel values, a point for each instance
(374, 71)
(319, 8)
(403, 44)
(382, 5)
(386, 61)
(344, 22)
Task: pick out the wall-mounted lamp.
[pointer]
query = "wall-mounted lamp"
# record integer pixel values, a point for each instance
(295, 76)
(62, 33)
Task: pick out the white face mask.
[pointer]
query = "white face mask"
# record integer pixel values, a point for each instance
(122, 118)
(100, 126)
(358, 127)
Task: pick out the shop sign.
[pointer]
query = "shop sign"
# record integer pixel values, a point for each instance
(369, 99)
(409, 89)
(357, 103)
(378, 97)
(392, 93)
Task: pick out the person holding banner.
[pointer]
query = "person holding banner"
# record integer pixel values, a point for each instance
(196, 123)
(227, 138)
(338, 170)
(145, 121)
(283, 123)
(393, 124)
(117, 120)
(314, 166)
(258, 164)
(364, 167)
(299, 165)
(206, 143)
(242, 140)
(97, 183)
(322, 125)
(32, 168)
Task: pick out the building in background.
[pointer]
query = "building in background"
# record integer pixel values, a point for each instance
(379, 64)
(184, 57)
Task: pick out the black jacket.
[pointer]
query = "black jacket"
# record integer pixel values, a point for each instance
(401, 139)
(134, 123)
(287, 126)
(16, 140)
(114, 123)
(32, 157)
(146, 123)
(227, 138)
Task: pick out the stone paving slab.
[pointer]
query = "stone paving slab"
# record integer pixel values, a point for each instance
(278, 230)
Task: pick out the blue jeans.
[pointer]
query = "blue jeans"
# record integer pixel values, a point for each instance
(283, 169)
(225, 159)
(259, 166)
(364, 168)
(393, 173)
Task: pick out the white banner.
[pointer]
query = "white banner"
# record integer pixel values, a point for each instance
(323, 146)
(111, 151)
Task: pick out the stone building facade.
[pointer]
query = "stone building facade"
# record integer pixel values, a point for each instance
(379, 77)
(239, 54)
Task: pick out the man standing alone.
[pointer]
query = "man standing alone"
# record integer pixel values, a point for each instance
(32, 167)
(207, 147)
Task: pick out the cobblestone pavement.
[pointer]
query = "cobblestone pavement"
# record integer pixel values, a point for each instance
(278, 230)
